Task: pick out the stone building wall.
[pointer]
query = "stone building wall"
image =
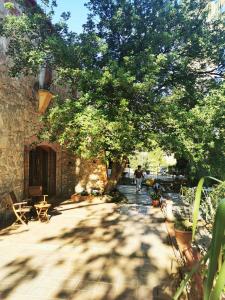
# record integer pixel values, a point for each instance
(18, 121)
(90, 174)
(68, 173)
(19, 125)
(16, 112)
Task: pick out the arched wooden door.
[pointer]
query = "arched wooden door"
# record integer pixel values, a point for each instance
(42, 169)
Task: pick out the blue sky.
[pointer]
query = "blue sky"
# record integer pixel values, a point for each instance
(78, 13)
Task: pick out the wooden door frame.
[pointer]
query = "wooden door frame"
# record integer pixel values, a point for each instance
(58, 180)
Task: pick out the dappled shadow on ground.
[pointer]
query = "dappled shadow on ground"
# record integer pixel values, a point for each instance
(15, 229)
(103, 252)
(7, 218)
(19, 271)
(116, 256)
(56, 201)
(78, 206)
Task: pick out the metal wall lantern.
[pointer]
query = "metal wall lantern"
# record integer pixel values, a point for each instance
(45, 81)
(44, 97)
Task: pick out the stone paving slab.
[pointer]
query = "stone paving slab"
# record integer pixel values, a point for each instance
(90, 251)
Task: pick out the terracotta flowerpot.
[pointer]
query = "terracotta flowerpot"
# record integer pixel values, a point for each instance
(155, 203)
(86, 198)
(75, 198)
(78, 198)
(44, 100)
(183, 238)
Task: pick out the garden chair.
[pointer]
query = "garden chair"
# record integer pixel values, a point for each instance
(15, 201)
(20, 209)
(36, 192)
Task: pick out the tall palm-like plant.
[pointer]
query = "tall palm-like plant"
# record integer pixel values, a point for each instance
(214, 282)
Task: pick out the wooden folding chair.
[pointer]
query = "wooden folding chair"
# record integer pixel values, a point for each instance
(37, 192)
(20, 209)
(15, 201)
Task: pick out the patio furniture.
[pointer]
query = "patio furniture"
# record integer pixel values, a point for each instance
(42, 211)
(41, 207)
(20, 209)
(36, 192)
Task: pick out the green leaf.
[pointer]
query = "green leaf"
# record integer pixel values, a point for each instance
(188, 276)
(215, 248)
(220, 284)
(9, 5)
(197, 206)
(220, 181)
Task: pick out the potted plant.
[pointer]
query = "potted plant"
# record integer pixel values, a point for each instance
(184, 219)
(82, 196)
(86, 196)
(96, 191)
(155, 199)
(75, 197)
(183, 233)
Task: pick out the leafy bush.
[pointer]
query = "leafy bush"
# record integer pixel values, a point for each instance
(218, 193)
(9, 5)
(188, 195)
(96, 192)
(184, 225)
(154, 196)
(210, 202)
(84, 193)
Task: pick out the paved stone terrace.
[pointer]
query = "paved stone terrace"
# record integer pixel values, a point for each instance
(90, 251)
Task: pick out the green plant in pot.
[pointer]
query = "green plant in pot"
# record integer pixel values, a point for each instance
(155, 197)
(183, 233)
(96, 191)
(84, 193)
(183, 223)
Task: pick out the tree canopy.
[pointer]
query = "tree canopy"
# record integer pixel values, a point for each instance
(142, 72)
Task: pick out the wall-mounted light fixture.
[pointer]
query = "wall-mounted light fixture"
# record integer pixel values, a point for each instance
(44, 97)
(45, 81)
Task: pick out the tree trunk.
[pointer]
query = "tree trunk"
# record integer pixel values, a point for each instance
(118, 167)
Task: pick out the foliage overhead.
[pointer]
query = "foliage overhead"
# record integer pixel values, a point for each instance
(142, 72)
(151, 161)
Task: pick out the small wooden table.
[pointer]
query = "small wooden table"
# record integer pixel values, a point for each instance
(42, 211)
